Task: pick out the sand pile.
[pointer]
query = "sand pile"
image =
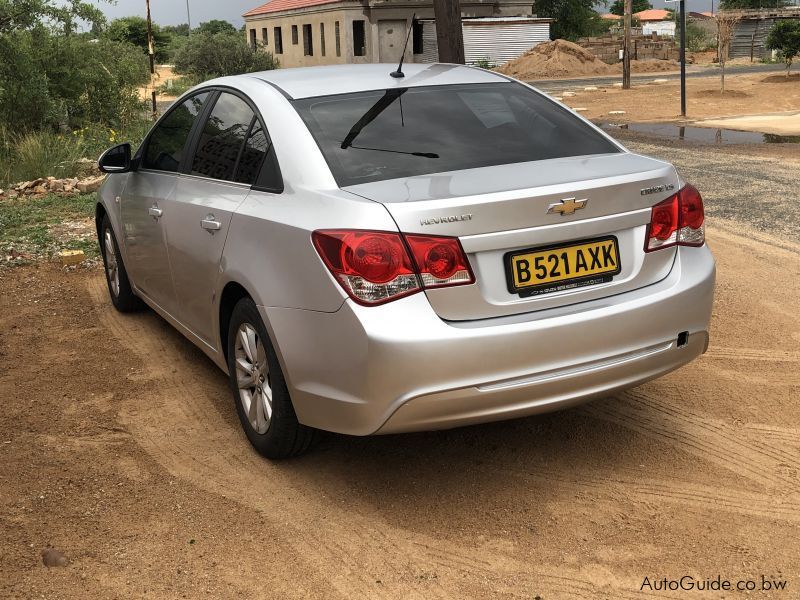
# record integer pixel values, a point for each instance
(559, 58)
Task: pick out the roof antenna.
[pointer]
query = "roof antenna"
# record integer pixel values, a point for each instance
(399, 73)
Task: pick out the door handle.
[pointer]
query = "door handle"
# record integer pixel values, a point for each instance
(211, 224)
(155, 212)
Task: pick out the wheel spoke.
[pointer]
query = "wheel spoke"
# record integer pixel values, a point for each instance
(110, 254)
(267, 406)
(252, 410)
(244, 338)
(243, 364)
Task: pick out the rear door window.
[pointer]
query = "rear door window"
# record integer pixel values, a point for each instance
(167, 143)
(222, 138)
(404, 132)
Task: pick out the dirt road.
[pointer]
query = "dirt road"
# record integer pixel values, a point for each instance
(119, 445)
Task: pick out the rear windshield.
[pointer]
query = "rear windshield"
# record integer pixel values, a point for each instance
(403, 132)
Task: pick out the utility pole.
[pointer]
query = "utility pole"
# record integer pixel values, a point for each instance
(449, 36)
(152, 55)
(683, 58)
(626, 47)
(189, 17)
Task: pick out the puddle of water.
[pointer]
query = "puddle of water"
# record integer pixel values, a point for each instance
(703, 134)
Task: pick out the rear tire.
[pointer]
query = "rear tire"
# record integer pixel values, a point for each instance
(259, 388)
(119, 286)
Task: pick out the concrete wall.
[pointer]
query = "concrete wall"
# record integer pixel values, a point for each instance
(649, 47)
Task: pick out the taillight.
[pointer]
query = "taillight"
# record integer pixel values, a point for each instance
(375, 267)
(691, 231)
(678, 220)
(441, 260)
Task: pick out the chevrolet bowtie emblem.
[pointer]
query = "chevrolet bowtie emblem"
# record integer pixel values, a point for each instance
(567, 206)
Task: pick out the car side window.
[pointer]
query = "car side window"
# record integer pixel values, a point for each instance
(167, 143)
(222, 138)
(258, 164)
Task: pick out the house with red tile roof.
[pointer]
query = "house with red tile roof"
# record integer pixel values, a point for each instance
(318, 32)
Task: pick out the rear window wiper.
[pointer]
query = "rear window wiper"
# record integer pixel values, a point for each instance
(421, 154)
(368, 117)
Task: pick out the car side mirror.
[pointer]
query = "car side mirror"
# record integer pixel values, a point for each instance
(116, 159)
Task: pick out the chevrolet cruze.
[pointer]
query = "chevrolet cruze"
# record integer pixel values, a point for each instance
(369, 254)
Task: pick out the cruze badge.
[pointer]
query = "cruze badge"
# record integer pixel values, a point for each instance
(447, 219)
(658, 188)
(567, 206)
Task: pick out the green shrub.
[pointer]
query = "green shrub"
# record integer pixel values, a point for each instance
(785, 38)
(206, 56)
(65, 82)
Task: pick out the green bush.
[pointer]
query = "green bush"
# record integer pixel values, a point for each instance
(205, 56)
(785, 38)
(65, 82)
(133, 30)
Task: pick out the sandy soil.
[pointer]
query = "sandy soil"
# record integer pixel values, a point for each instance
(119, 445)
(787, 124)
(745, 95)
(162, 74)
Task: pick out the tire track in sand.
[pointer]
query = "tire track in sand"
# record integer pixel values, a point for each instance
(187, 424)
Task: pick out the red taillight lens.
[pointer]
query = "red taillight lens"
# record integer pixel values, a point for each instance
(375, 267)
(663, 229)
(691, 228)
(441, 260)
(678, 220)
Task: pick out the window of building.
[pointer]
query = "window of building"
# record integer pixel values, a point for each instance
(264, 39)
(322, 38)
(253, 38)
(359, 38)
(222, 138)
(278, 37)
(338, 38)
(308, 43)
(294, 34)
(416, 35)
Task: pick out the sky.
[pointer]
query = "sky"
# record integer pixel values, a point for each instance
(173, 12)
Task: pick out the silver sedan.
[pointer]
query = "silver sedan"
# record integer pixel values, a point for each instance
(366, 254)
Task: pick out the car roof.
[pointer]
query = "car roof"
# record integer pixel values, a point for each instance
(308, 82)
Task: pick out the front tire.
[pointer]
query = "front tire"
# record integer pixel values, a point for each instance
(119, 286)
(259, 388)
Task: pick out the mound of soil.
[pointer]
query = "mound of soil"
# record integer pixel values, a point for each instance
(559, 58)
(792, 78)
(717, 94)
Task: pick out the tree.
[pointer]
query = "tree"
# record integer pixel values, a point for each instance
(205, 56)
(216, 26)
(726, 23)
(618, 7)
(573, 18)
(27, 14)
(133, 30)
(449, 36)
(785, 38)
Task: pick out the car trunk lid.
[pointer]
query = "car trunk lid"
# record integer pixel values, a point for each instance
(501, 210)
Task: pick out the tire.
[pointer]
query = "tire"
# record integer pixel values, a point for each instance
(119, 286)
(259, 388)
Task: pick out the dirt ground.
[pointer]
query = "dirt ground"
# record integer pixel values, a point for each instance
(746, 94)
(119, 445)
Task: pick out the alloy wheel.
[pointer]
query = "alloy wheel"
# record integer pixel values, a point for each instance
(252, 377)
(112, 267)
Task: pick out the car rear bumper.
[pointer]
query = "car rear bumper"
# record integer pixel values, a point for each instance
(399, 367)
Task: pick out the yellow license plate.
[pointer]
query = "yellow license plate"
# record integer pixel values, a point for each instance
(558, 268)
